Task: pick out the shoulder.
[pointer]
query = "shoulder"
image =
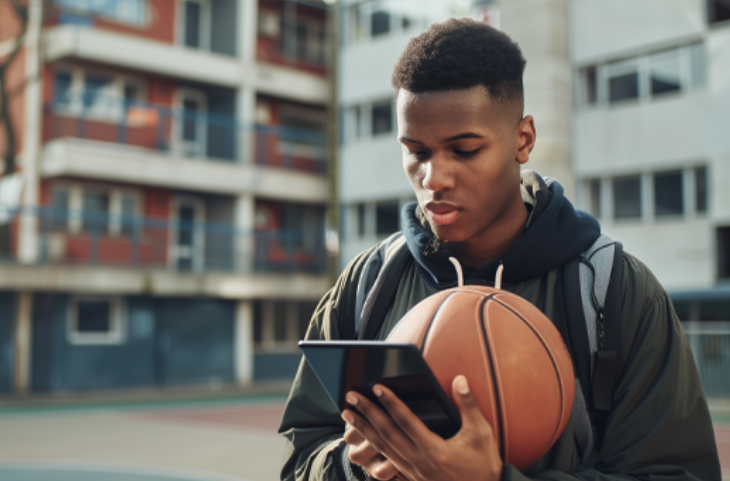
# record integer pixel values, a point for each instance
(638, 283)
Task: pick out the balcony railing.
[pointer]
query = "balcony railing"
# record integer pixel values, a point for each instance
(183, 132)
(98, 238)
(710, 344)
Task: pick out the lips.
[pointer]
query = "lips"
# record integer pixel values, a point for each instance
(443, 213)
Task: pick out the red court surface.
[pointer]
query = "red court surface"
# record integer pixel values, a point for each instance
(722, 436)
(259, 416)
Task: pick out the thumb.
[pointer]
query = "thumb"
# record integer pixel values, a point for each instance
(471, 415)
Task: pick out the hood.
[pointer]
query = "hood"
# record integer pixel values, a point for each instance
(555, 234)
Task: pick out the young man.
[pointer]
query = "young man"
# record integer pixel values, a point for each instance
(460, 122)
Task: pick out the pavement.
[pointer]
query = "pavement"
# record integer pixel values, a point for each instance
(228, 436)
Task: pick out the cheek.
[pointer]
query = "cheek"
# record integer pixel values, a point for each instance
(413, 172)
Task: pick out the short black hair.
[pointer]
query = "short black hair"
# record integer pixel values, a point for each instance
(461, 53)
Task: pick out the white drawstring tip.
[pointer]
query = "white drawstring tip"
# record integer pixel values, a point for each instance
(498, 277)
(459, 272)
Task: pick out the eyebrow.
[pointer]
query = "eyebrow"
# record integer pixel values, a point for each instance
(465, 135)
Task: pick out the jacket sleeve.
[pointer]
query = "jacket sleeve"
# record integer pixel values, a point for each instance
(660, 426)
(311, 423)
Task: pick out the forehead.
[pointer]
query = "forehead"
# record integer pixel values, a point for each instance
(452, 110)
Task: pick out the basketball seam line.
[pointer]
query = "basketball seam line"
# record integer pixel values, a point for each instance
(433, 318)
(502, 447)
(552, 360)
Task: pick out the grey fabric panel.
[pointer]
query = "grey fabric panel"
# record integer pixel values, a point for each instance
(601, 258)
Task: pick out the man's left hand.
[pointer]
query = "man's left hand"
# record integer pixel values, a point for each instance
(417, 452)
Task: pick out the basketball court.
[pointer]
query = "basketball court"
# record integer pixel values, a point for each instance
(202, 441)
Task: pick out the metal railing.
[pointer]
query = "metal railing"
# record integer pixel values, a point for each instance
(100, 238)
(710, 343)
(182, 132)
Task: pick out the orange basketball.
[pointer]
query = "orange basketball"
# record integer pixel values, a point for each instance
(515, 360)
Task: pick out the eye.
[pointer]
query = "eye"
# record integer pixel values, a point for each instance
(420, 154)
(466, 153)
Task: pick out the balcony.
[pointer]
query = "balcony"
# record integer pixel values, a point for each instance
(99, 251)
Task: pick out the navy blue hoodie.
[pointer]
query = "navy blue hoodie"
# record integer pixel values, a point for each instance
(556, 233)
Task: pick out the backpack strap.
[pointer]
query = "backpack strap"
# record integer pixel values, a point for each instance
(377, 284)
(596, 274)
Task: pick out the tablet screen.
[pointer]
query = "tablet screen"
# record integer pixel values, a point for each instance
(343, 366)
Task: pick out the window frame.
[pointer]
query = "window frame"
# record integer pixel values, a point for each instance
(117, 333)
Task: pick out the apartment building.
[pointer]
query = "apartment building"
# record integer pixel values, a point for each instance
(650, 146)
(373, 186)
(170, 225)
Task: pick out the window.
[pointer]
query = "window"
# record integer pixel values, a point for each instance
(718, 11)
(95, 95)
(95, 215)
(594, 193)
(623, 81)
(668, 198)
(279, 324)
(379, 23)
(590, 88)
(196, 24)
(723, 252)
(701, 189)
(649, 76)
(387, 218)
(97, 210)
(382, 118)
(664, 72)
(131, 12)
(95, 320)
(627, 197)
(360, 208)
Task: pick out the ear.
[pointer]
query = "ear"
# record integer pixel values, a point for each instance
(526, 135)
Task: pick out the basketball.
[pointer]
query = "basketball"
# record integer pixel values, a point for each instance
(518, 367)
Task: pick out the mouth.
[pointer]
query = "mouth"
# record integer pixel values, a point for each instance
(442, 213)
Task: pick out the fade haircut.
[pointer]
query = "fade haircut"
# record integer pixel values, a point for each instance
(461, 53)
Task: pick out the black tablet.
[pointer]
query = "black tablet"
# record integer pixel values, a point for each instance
(344, 366)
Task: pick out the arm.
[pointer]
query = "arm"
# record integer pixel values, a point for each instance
(311, 423)
(660, 427)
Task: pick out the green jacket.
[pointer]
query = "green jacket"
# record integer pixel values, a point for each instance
(659, 429)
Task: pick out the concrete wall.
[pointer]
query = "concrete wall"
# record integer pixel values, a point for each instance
(166, 342)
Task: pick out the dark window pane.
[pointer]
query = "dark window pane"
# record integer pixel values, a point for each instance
(93, 316)
(595, 197)
(186, 225)
(95, 214)
(306, 309)
(94, 86)
(59, 208)
(302, 41)
(379, 23)
(382, 118)
(387, 218)
(192, 24)
(62, 84)
(627, 197)
(361, 220)
(589, 81)
(405, 22)
(701, 189)
(623, 87)
(129, 212)
(280, 321)
(258, 322)
(190, 112)
(718, 11)
(668, 193)
(665, 75)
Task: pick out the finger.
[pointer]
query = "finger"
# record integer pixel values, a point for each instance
(384, 446)
(381, 469)
(407, 421)
(472, 418)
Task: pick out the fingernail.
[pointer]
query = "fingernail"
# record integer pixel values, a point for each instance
(378, 392)
(347, 416)
(351, 398)
(462, 385)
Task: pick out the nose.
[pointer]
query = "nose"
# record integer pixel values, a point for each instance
(437, 175)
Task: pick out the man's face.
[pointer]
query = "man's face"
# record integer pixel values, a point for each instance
(462, 153)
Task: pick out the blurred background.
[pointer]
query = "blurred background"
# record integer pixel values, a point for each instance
(182, 180)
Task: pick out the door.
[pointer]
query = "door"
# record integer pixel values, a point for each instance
(187, 234)
(191, 139)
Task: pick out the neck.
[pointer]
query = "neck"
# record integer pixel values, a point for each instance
(489, 245)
